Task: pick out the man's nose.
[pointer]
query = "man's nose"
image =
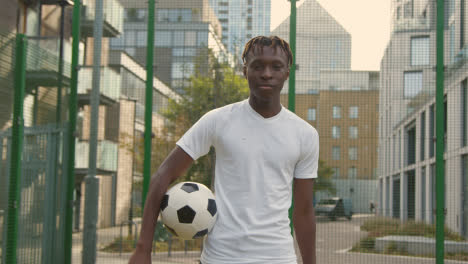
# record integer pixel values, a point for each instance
(267, 73)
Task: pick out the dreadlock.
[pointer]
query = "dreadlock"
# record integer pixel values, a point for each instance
(272, 41)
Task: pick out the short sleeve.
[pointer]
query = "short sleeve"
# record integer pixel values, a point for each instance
(307, 165)
(197, 141)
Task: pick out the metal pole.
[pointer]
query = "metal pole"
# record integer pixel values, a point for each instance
(14, 189)
(148, 102)
(292, 81)
(440, 180)
(58, 114)
(292, 44)
(91, 181)
(71, 134)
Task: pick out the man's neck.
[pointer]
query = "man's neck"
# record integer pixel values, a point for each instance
(265, 108)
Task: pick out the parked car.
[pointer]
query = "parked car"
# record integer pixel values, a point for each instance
(334, 207)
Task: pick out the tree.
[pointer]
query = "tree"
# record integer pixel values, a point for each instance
(213, 84)
(323, 183)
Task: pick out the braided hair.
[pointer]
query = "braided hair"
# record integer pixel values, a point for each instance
(272, 41)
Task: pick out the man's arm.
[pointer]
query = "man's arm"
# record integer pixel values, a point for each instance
(176, 163)
(304, 219)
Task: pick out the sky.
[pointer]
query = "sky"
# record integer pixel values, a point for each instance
(368, 22)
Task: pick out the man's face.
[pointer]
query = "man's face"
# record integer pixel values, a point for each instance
(266, 72)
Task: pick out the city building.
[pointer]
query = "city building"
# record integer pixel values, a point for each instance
(241, 20)
(344, 110)
(321, 43)
(407, 115)
(44, 178)
(183, 31)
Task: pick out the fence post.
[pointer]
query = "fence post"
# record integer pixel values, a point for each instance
(292, 80)
(148, 103)
(71, 134)
(440, 180)
(14, 190)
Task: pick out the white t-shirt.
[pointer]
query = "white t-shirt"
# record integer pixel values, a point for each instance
(256, 161)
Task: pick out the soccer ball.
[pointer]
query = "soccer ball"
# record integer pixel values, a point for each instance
(188, 210)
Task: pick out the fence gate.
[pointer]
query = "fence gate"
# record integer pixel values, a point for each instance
(43, 186)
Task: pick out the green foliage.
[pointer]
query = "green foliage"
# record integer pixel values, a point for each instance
(366, 244)
(324, 182)
(379, 227)
(213, 85)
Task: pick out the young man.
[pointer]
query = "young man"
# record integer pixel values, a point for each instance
(262, 151)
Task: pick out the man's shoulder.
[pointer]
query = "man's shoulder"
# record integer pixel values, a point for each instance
(299, 123)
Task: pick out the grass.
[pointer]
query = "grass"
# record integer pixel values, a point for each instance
(128, 245)
(380, 227)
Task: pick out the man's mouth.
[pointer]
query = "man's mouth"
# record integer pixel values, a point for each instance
(266, 87)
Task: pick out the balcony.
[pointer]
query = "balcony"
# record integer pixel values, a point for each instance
(113, 18)
(42, 63)
(57, 2)
(106, 162)
(411, 24)
(459, 60)
(110, 86)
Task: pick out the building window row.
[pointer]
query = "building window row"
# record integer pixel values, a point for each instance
(352, 132)
(174, 15)
(353, 112)
(137, 38)
(352, 153)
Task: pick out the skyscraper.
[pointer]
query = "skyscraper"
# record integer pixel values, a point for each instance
(241, 20)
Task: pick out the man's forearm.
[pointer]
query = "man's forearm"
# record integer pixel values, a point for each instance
(156, 192)
(305, 236)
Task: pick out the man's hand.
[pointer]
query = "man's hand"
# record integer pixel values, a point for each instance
(140, 257)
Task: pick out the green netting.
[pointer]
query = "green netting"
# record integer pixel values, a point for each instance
(365, 79)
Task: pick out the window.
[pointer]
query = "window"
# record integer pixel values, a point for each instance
(408, 9)
(353, 132)
(336, 153)
(431, 131)
(141, 38)
(181, 70)
(336, 111)
(163, 38)
(352, 173)
(356, 88)
(190, 38)
(130, 38)
(420, 51)
(202, 38)
(352, 153)
(464, 111)
(336, 173)
(423, 136)
(336, 132)
(162, 15)
(353, 112)
(412, 84)
(311, 114)
(178, 38)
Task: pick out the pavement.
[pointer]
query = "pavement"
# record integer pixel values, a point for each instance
(334, 241)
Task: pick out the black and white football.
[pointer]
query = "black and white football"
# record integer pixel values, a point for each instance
(188, 210)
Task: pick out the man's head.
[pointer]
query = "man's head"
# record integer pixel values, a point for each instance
(266, 66)
(256, 45)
